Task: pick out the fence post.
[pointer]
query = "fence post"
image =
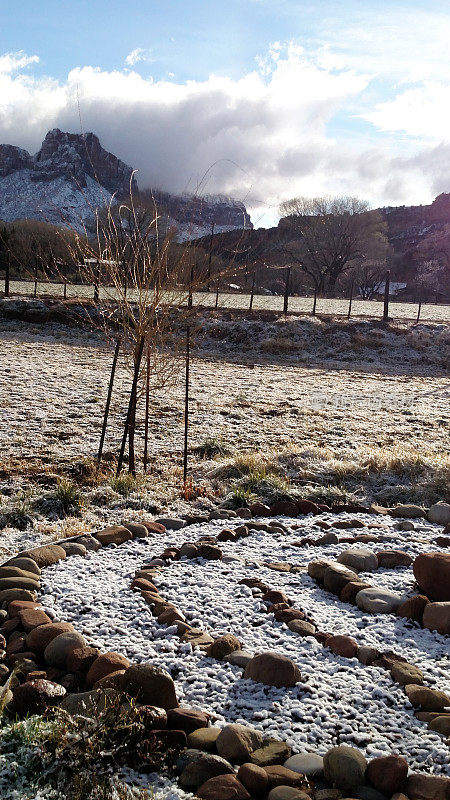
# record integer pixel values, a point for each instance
(7, 274)
(386, 296)
(210, 256)
(418, 311)
(217, 294)
(97, 284)
(65, 289)
(253, 291)
(286, 291)
(108, 399)
(35, 276)
(350, 301)
(191, 281)
(186, 407)
(314, 302)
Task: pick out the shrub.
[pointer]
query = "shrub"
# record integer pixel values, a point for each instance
(211, 448)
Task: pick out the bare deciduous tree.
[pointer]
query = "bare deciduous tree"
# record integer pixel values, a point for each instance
(325, 236)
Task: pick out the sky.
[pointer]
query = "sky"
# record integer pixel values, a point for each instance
(262, 100)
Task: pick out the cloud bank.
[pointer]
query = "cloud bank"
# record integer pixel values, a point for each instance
(299, 123)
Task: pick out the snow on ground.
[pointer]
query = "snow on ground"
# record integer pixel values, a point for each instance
(338, 700)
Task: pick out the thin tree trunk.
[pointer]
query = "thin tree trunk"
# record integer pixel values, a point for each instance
(350, 301)
(186, 407)
(386, 296)
(252, 293)
(286, 291)
(314, 303)
(147, 408)
(418, 311)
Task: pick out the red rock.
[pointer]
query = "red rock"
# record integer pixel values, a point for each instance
(254, 778)
(105, 665)
(144, 585)
(16, 658)
(81, 659)
(432, 573)
(420, 786)
(442, 541)
(9, 626)
(260, 510)
(154, 527)
(393, 558)
(307, 507)
(350, 590)
(282, 776)
(436, 617)
(272, 669)
(223, 646)
(16, 645)
(322, 636)
(16, 606)
(40, 637)
(275, 596)
(33, 697)
(112, 681)
(413, 607)
(186, 719)
(272, 609)
(387, 774)
(223, 787)
(288, 614)
(284, 508)
(46, 555)
(114, 534)
(343, 646)
(33, 617)
(226, 536)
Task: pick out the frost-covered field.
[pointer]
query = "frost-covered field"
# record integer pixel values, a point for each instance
(365, 308)
(377, 407)
(337, 701)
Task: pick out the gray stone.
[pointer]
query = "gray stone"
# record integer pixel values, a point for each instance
(378, 601)
(367, 655)
(271, 753)
(408, 511)
(189, 550)
(287, 793)
(301, 627)
(150, 685)
(308, 764)
(439, 513)
(87, 703)
(89, 542)
(344, 767)
(273, 669)
(74, 548)
(55, 654)
(28, 564)
(239, 658)
(359, 559)
(204, 738)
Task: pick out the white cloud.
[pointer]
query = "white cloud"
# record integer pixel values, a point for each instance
(12, 62)
(136, 55)
(267, 136)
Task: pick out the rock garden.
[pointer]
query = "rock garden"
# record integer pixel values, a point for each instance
(287, 652)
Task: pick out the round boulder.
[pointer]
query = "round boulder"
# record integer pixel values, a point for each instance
(223, 787)
(150, 685)
(56, 652)
(236, 743)
(223, 646)
(273, 669)
(255, 779)
(106, 664)
(378, 601)
(432, 573)
(439, 513)
(343, 646)
(359, 559)
(387, 774)
(436, 617)
(344, 767)
(33, 697)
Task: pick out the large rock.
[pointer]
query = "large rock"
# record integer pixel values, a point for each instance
(308, 764)
(255, 779)
(344, 767)
(427, 699)
(200, 767)
(8, 595)
(413, 607)
(282, 776)
(186, 719)
(17, 572)
(150, 685)
(28, 564)
(171, 523)
(359, 559)
(393, 558)
(404, 673)
(273, 669)
(436, 617)
(337, 576)
(271, 753)
(420, 786)
(114, 534)
(351, 589)
(74, 548)
(33, 617)
(46, 555)
(223, 646)
(343, 646)
(39, 638)
(317, 569)
(80, 659)
(408, 512)
(387, 774)
(56, 652)
(106, 664)
(88, 704)
(432, 573)
(223, 787)
(439, 513)
(33, 697)
(32, 584)
(287, 793)
(378, 601)
(236, 743)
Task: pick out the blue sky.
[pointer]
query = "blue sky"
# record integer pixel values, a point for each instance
(270, 98)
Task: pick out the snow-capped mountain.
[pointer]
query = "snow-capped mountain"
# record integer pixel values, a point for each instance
(72, 176)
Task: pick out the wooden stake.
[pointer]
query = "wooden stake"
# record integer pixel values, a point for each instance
(191, 281)
(418, 311)
(108, 399)
(7, 274)
(210, 256)
(147, 408)
(186, 407)
(35, 276)
(386, 296)
(286, 291)
(217, 294)
(314, 303)
(97, 284)
(131, 404)
(65, 289)
(350, 302)
(252, 293)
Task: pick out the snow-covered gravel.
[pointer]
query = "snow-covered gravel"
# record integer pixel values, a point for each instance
(338, 700)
